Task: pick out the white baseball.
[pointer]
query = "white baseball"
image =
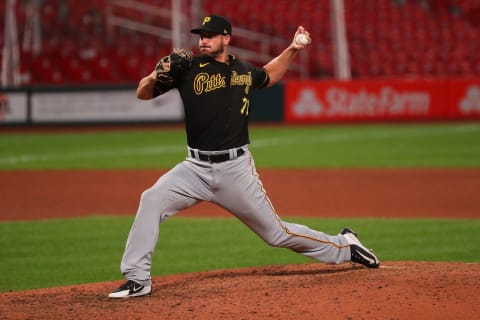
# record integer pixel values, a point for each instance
(301, 39)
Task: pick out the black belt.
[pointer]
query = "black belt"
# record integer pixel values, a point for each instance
(216, 158)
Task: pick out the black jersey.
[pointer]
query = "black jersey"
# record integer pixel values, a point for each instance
(216, 99)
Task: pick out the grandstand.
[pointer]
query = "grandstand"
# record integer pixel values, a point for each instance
(117, 42)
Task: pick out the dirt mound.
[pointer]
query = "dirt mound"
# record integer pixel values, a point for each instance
(398, 290)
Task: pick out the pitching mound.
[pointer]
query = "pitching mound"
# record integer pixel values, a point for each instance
(398, 290)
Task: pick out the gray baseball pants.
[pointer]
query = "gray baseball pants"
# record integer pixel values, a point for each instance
(233, 185)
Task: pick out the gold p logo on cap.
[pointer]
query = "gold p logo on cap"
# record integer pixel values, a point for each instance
(206, 20)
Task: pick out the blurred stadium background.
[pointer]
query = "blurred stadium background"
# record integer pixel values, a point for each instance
(115, 42)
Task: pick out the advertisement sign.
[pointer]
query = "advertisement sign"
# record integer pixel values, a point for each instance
(13, 107)
(464, 99)
(104, 106)
(320, 101)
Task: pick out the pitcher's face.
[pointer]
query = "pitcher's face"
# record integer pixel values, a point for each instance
(213, 45)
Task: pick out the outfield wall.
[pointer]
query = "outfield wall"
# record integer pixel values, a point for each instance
(291, 102)
(112, 104)
(49, 105)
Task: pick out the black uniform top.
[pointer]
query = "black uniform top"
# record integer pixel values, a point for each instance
(216, 99)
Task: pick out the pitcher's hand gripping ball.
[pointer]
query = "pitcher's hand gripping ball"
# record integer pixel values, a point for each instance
(173, 66)
(302, 39)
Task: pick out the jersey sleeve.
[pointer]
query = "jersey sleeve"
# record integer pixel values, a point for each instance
(260, 78)
(161, 88)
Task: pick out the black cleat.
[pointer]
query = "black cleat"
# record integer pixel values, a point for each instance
(359, 253)
(130, 289)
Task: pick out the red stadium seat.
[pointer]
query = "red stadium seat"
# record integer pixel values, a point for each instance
(385, 39)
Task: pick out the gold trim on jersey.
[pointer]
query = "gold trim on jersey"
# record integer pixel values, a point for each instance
(204, 82)
(241, 80)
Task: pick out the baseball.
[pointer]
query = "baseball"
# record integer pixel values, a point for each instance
(301, 39)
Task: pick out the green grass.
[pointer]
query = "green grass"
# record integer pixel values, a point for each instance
(385, 145)
(434, 145)
(73, 251)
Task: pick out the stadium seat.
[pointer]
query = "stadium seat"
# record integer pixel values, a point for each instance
(386, 38)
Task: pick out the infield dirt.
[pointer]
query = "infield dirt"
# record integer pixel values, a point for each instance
(398, 290)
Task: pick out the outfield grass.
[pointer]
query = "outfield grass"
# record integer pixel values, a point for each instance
(73, 251)
(431, 145)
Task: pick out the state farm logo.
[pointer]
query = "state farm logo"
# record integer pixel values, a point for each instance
(470, 103)
(307, 104)
(379, 101)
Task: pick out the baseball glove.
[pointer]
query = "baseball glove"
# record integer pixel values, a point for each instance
(173, 66)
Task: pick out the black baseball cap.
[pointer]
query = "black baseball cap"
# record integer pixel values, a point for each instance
(214, 24)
